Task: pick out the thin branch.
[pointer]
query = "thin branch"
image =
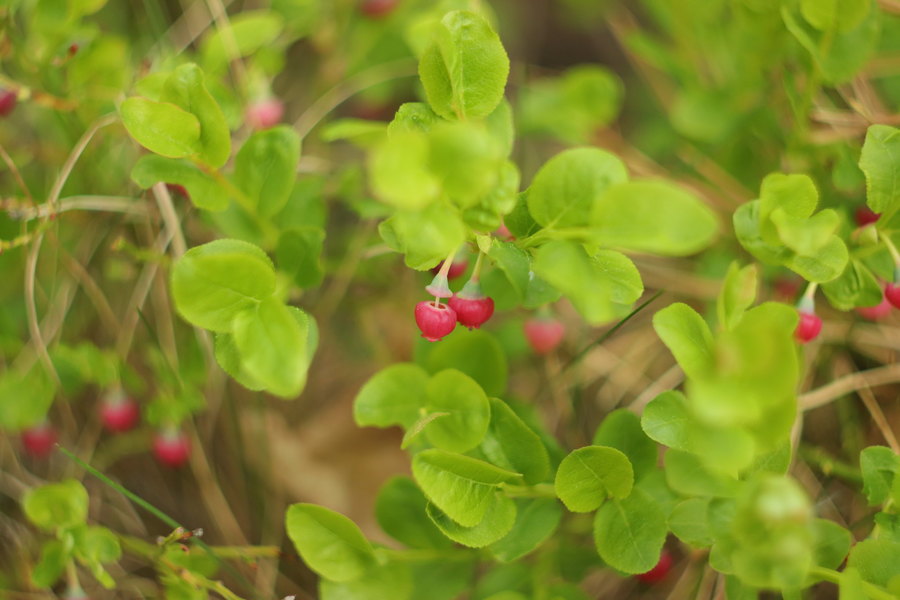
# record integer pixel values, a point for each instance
(850, 383)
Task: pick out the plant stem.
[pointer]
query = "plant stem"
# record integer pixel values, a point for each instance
(874, 592)
(476, 270)
(829, 465)
(541, 490)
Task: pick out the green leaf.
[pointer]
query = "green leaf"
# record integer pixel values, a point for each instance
(689, 522)
(621, 429)
(393, 396)
(566, 187)
(399, 171)
(475, 353)
(400, 511)
(298, 253)
(590, 475)
(362, 132)
(426, 236)
(161, 127)
(827, 263)
(330, 543)
(536, 520)
(850, 585)
(880, 161)
(392, 581)
(186, 89)
(56, 505)
(687, 336)
(266, 167)
(667, 420)
(737, 295)
(879, 466)
(272, 347)
(602, 287)
(54, 558)
(515, 264)
(464, 70)
(826, 15)
(97, 545)
(832, 543)
(442, 579)
(466, 159)
(805, 236)
(25, 398)
(413, 116)
(878, 561)
(229, 358)
(629, 533)
(687, 474)
(653, 216)
(468, 408)
(497, 522)
(462, 487)
(796, 194)
(511, 444)
(413, 432)
(245, 33)
(214, 282)
(856, 286)
(204, 191)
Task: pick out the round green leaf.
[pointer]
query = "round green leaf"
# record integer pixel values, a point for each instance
(56, 505)
(621, 429)
(536, 520)
(400, 511)
(161, 127)
(266, 166)
(467, 407)
(186, 88)
(392, 581)
(511, 444)
(393, 396)
(497, 522)
(330, 543)
(475, 353)
(589, 475)
(630, 533)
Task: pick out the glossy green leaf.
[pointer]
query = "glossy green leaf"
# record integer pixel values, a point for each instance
(25, 398)
(56, 505)
(245, 33)
(54, 558)
(229, 358)
(462, 487)
(514, 263)
(203, 190)
(879, 161)
(687, 336)
(393, 396)
(466, 160)
(214, 282)
(827, 263)
(653, 216)
(511, 444)
(330, 543)
(425, 236)
(629, 533)
(161, 127)
(391, 581)
(805, 236)
(97, 545)
(442, 579)
(186, 88)
(497, 522)
(602, 287)
(856, 286)
(832, 543)
(464, 70)
(566, 187)
(536, 520)
(299, 252)
(475, 353)
(467, 407)
(879, 466)
(413, 116)
(796, 194)
(850, 585)
(621, 429)
(687, 474)
(878, 561)
(272, 346)
(737, 295)
(667, 420)
(266, 166)
(689, 522)
(400, 510)
(590, 475)
(399, 171)
(825, 15)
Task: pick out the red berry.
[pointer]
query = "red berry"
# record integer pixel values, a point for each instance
(172, 448)
(504, 233)
(377, 9)
(786, 288)
(865, 216)
(659, 572)
(544, 334)
(177, 188)
(877, 312)
(8, 100)
(265, 113)
(808, 328)
(39, 440)
(472, 312)
(435, 321)
(457, 268)
(892, 293)
(119, 413)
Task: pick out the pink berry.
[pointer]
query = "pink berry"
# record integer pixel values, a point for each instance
(659, 572)
(8, 99)
(808, 328)
(472, 312)
(172, 448)
(119, 413)
(892, 293)
(544, 334)
(877, 312)
(435, 321)
(457, 268)
(39, 440)
(504, 233)
(265, 113)
(786, 288)
(865, 216)
(177, 188)
(377, 9)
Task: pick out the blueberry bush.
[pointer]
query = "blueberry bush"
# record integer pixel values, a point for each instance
(412, 299)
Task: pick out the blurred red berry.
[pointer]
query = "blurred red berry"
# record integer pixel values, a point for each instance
(659, 572)
(457, 268)
(472, 312)
(865, 216)
(8, 100)
(808, 328)
(435, 321)
(39, 440)
(177, 188)
(892, 293)
(265, 114)
(544, 334)
(786, 288)
(119, 413)
(877, 312)
(377, 9)
(171, 448)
